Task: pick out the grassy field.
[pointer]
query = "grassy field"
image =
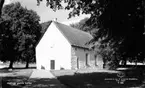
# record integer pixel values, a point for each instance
(19, 77)
(84, 78)
(91, 78)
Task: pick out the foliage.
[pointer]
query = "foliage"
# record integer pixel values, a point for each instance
(107, 51)
(1, 5)
(20, 31)
(81, 25)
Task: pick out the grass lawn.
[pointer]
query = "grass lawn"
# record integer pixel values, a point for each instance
(19, 78)
(90, 78)
(14, 78)
(24, 82)
(11, 78)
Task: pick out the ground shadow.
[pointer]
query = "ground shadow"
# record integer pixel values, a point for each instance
(7, 71)
(13, 82)
(19, 81)
(81, 80)
(23, 82)
(132, 78)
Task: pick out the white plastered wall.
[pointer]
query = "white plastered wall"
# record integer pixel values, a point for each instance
(53, 46)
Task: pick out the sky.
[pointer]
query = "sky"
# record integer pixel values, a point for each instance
(46, 13)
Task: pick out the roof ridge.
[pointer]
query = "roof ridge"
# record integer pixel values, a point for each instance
(74, 28)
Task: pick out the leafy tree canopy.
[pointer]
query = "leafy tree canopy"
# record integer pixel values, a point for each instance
(81, 25)
(1, 5)
(20, 32)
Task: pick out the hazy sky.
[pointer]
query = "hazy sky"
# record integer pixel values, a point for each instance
(46, 13)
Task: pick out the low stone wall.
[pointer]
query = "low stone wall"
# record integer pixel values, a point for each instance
(73, 60)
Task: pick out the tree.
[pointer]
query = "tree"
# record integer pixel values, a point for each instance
(81, 25)
(28, 56)
(1, 5)
(107, 51)
(20, 32)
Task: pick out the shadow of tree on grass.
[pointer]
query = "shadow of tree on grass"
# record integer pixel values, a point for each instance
(131, 78)
(80, 80)
(23, 82)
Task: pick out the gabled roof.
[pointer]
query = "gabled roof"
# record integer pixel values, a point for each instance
(76, 37)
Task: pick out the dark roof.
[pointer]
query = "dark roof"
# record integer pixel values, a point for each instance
(76, 37)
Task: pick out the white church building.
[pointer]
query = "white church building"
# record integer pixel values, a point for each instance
(64, 47)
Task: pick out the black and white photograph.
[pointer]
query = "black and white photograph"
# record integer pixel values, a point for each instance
(72, 44)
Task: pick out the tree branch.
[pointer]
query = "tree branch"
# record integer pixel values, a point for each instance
(1, 6)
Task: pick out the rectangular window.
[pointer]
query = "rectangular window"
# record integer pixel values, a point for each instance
(87, 59)
(77, 62)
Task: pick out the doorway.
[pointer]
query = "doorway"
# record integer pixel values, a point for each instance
(52, 64)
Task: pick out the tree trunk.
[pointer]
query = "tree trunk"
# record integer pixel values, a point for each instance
(11, 64)
(27, 63)
(1, 6)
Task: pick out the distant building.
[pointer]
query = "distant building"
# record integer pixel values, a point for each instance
(63, 47)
